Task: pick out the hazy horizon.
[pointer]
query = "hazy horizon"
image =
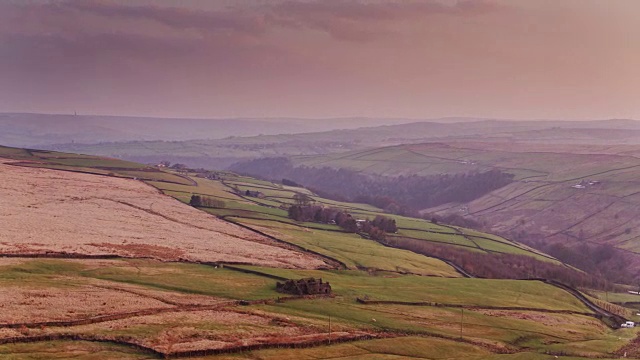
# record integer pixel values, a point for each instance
(517, 60)
(393, 120)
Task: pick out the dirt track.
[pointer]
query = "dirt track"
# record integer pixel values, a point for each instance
(47, 210)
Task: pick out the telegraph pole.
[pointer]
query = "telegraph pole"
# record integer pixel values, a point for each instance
(461, 320)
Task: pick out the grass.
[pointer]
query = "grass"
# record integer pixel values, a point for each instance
(383, 281)
(441, 238)
(353, 250)
(189, 278)
(178, 277)
(511, 327)
(396, 348)
(88, 164)
(579, 333)
(615, 297)
(268, 208)
(462, 291)
(80, 350)
(94, 162)
(39, 273)
(552, 207)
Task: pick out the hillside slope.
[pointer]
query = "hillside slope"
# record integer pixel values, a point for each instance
(569, 195)
(219, 153)
(46, 210)
(151, 301)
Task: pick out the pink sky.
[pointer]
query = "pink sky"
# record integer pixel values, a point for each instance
(520, 59)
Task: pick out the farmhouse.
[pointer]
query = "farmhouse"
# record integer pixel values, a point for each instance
(307, 286)
(257, 194)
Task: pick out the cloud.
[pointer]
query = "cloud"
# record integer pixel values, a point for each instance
(343, 20)
(79, 18)
(178, 18)
(364, 21)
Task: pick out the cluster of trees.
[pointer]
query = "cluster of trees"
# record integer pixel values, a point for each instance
(179, 167)
(385, 223)
(324, 215)
(373, 232)
(454, 220)
(604, 260)
(288, 182)
(205, 201)
(506, 266)
(375, 229)
(397, 195)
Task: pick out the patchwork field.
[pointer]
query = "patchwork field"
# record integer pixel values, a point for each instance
(562, 193)
(268, 213)
(159, 299)
(151, 308)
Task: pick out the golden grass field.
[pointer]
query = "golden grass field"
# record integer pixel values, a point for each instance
(58, 211)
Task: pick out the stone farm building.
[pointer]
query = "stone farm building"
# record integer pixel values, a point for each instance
(307, 286)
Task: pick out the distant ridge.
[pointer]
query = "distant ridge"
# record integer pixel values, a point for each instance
(32, 129)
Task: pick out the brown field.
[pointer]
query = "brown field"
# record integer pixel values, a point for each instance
(57, 211)
(22, 304)
(208, 329)
(187, 330)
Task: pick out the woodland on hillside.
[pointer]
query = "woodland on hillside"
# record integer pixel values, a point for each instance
(506, 266)
(397, 195)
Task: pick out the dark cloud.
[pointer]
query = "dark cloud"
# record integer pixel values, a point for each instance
(390, 10)
(179, 18)
(346, 20)
(364, 21)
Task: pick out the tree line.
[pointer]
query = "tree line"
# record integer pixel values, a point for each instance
(505, 266)
(604, 260)
(205, 201)
(375, 229)
(398, 195)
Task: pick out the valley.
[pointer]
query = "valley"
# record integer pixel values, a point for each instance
(561, 197)
(200, 295)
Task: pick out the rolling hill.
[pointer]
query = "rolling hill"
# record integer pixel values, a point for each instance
(561, 194)
(68, 297)
(217, 153)
(37, 130)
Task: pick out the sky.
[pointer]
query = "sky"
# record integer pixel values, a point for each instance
(513, 59)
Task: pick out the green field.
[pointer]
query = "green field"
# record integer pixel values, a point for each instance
(353, 250)
(412, 327)
(232, 188)
(455, 317)
(81, 350)
(89, 164)
(540, 203)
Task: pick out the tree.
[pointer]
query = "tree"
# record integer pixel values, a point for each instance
(386, 224)
(195, 201)
(288, 182)
(179, 166)
(350, 225)
(295, 212)
(302, 199)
